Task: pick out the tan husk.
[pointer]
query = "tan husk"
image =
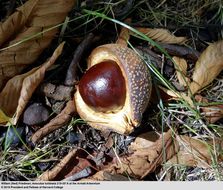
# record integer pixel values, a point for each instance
(138, 90)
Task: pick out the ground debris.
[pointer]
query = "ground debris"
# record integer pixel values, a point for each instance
(57, 92)
(60, 120)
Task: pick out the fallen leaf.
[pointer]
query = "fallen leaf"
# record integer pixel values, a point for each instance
(60, 120)
(161, 35)
(178, 95)
(196, 153)
(179, 149)
(143, 160)
(18, 90)
(212, 113)
(28, 30)
(207, 67)
(181, 70)
(50, 175)
(144, 140)
(74, 166)
(10, 95)
(16, 21)
(4, 118)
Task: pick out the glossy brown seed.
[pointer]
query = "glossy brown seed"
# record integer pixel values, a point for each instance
(103, 87)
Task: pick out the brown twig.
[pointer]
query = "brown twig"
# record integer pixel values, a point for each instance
(71, 79)
(153, 57)
(60, 120)
(180, 51)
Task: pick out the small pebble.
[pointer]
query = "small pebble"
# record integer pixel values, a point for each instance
(43, 165)
(36, 114)
(13, 136)
(72, 137)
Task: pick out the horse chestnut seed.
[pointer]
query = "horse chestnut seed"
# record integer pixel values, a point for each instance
(103, 87)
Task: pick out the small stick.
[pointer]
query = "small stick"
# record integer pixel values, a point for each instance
(150, 55)
(60, 120)
(180, 51)
(70, 79)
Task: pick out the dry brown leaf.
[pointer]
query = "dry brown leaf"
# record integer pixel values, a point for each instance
(178, 95)
(207, 67)
(144, 140)
(181, 70)
(212, 113)
(4, 118)
(11, 93)
(146, 160)
(161, 35)
(20, 88)
(194, 152)
(16, 21)
(180, 149)
(143, 160)
(73, 166)
(60, 120)
(34, 17)
(50, 175)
